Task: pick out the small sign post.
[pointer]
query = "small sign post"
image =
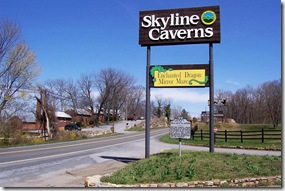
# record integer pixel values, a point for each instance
(180, 128)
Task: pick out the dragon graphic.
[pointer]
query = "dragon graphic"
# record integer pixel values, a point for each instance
(159, 69)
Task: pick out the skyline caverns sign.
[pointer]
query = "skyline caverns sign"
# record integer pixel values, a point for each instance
(180, 26)
(164, 76)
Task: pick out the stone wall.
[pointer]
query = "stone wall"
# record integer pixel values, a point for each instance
(272, 181)
(95, 133)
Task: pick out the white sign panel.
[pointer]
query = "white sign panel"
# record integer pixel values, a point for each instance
(180, 128)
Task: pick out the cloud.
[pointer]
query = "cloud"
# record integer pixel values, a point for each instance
(180, 95)
(233, 83)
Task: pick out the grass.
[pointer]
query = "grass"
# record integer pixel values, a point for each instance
(195, 165)
(137, 127)
(202, 166)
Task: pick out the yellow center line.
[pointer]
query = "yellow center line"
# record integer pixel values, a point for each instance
(64, 146)
(64, 154)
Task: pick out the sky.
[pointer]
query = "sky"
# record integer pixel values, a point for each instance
(74, 37)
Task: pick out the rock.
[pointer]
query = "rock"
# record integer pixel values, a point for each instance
(209, 183)
(163, 185)
(92, 181)
(223, 182)
(144, 185)
(182, 184)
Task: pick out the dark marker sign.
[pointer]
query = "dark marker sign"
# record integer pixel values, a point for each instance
(180, 26)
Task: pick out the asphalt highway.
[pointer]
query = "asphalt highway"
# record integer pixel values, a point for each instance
(9, 157)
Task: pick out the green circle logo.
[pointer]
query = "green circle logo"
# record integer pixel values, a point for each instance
(208, 17)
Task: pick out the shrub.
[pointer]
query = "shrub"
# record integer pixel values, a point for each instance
(91, 122)
(69, 136)
(80, 124)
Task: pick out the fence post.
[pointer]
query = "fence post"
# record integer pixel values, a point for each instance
(241, 139)
(262, 135)
(201, 134)
(226, 136)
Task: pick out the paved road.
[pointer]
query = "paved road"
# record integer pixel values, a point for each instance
(40, 165)
(50, 164)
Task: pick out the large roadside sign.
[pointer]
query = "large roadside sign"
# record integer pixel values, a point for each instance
(198, 25)
(180, 26)
(180, 128)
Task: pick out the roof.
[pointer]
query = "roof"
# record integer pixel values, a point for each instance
(82, 112)
(62, 114)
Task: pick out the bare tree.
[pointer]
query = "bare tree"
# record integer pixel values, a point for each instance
(176, 111)
(162, 107)
(272, 96)
(57, 96)
(87, 91)
(123, 85)
(135, 101)
(72, 93)
(254, 105)
(185, 114)
(158, 106)
(18, 65)
(167, 110)
(111, 85)
(10, 34)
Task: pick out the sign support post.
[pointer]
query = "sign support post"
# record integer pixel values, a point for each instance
(211, 63)
(180, 147)
(147, 110)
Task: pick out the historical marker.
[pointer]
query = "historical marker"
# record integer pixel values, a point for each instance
(180, 128)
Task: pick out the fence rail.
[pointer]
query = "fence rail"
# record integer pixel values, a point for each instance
(241, 135)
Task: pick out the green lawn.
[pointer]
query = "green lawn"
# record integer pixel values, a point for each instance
(195, 165)
(200, 166)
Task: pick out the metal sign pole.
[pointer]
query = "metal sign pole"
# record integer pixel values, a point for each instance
(211, 97)
(147, 107)
(180, 147)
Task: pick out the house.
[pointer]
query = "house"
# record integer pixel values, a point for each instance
(30, 124)
(218, 117)
(62, 119)
(79, 115)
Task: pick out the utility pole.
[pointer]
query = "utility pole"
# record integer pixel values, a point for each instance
(42, 115)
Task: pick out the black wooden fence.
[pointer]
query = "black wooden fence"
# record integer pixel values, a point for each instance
(241, 135)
